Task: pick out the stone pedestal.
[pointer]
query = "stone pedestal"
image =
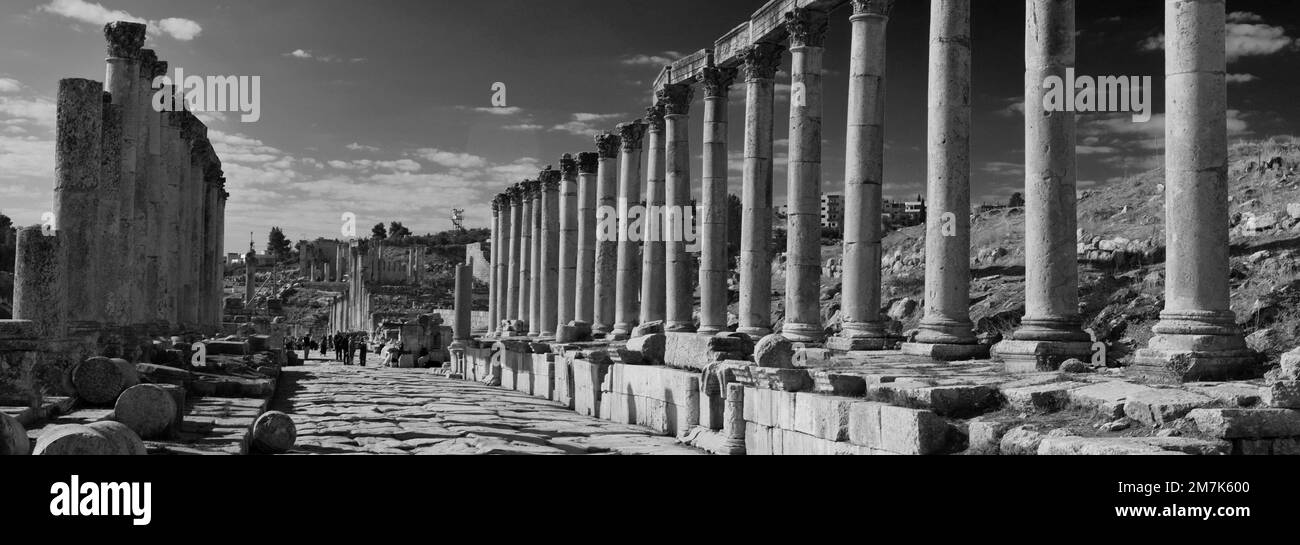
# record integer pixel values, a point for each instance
(946, 331)
(678, 279)
(714, 264)
(653, 266)
(759, 66)
(863, 327)
(629, 259)
(1052, 330)
(605, 284)
(803, 247)
(1197, 338)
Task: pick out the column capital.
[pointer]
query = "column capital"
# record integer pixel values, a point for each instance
(588, 162)
(807, 27)
(877, 8)
(148, 58)
(761, 61)
(717, 81)
(654, 117)
(549, 179)
(496, 205)
(631, 135)
(607, 144)
(569, 167)
(125, 39)
(515, 193)
(675, 98)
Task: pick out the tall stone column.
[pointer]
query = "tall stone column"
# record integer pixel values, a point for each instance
(653, 294)
(1052, 329)
(170, 216)
(568, 211)
(211, 251)
(606, 282)
(197, 215)
(181, 121)
(549, 285)
(529, 189)
(629, 195)
(494, 290)
(713, 219)
(122, 76)
(464, 298)
(863, 328)
(250, 277)
(679, 279)
(759, 64)
(537, 256)
(77, 199)
(584, 293)
(218, 273)
(513, 273)
(40, 292)
(803, 191)
(156, 281)
(946, 331)
(1197, 338)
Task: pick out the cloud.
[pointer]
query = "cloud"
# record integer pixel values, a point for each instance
(524, 127)
(38, 111)
(656, 60)
(450, 159)
(8, 85)
(96, 14)
(1247, 36)
(1244, 17)
(502, 110)
(587, 124)
(358, 147)
(307, 54)
(1014, 107)
(1242, 78)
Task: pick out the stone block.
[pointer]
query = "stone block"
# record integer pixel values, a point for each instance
(822, 416)
(947, 352)
(1106, 398)
(1157, 407)
(1283, 394)
(228, 348)
(1021, 441)
(686, 350)
(1247, 423)
(985, 434)
(788, 380)
(774, 351)
(955, 401)
(758, 440)
(911, 431)
(864, 423)
(1049, 397)
(651, 347)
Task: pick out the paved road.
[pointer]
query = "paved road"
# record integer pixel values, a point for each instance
(368, 410)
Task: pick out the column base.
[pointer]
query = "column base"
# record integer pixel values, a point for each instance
(621, 330)
(601, 329)
(803, 333)
(947, 351)
(710, 330)
(680, 327)
(755, 332)
(1192, 346)
(861, 336)
(1039, 356)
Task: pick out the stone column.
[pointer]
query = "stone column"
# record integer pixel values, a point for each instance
(653, 302)
(606, 282)
(537, 256)
(250, 277)
(549, 285)
(464, 298)
(584, 292)
(513, 273)
(946, 331)
(494, 289)
(713, 218)
(122, 75)
(78, 199)
(863, 328)
(156, 283)
(40, 292)
(629, 195)
(529, 188)
(568, 211)
(1051, 331)
(219, 269)
(803, 321)
(197, 215)
(678, 278)
(170, 212)
(211, 250)
(1197, 338)
(759, 64)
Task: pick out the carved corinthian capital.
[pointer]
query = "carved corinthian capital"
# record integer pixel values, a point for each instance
(760, 61)
(631, 135)
(654, 117)
(676, 99)
(550, 179)
(880, 8)
(569, 167)
(807, 27)
(607, 144)
(125, 39)
(588, 162)
(717, 81)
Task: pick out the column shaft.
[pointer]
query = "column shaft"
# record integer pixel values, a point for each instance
(549, 284)
(584, 291)
(78, 199)
(713, 218)
(760, 65)
(568, 212)
(607, 221)
(653, 294)
(629, 195)
(678, 222)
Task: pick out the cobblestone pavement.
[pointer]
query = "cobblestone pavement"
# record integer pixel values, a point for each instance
(368, 410)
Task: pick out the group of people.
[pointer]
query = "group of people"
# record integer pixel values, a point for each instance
(345, 346)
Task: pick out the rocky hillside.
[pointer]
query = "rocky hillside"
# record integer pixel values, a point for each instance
(1121, 252)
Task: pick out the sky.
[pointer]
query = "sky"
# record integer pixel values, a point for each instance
(383, 108)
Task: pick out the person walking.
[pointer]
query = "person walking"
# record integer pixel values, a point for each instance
(363, 349)
(351, 346)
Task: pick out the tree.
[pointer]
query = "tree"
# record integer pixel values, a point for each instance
(8, 244)
(378, 232)
(398, 231)
(278, 245)
(1017, 201)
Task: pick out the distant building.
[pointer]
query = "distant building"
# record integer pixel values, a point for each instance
(899, 214)
(833, 211)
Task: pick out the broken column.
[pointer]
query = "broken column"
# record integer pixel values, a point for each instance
(713, 218)
(250, 277)
(77, 200)
(40, 289)
(568, 211)
(548, 285)
(585, 281)
(678, 277)
(464, 298)
(629, 195)
(863, 328)
(946, 331)
(1052, 329)
(759, 64)
(803, 248)
(653, 295)
(604, 286)
(1197, 338)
